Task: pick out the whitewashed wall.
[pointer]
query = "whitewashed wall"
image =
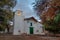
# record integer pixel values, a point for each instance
(36, 26)
(22, 26)
(18, 24)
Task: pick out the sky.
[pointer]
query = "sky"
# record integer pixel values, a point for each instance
(27, 8)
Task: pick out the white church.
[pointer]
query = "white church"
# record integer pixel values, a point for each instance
(25, 25)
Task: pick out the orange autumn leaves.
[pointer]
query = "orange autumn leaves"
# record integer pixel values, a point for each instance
(55, 2)
(51, 12)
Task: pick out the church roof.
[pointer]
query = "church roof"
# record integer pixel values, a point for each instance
(31, 18)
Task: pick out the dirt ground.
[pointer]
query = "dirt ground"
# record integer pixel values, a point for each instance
(27, 37)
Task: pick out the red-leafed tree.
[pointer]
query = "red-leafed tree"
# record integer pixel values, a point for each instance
(49, 12)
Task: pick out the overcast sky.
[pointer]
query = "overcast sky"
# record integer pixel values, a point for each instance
(26, 7)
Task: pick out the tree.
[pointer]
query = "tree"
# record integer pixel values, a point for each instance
(6, 12)
(50, 15)
(40, 5)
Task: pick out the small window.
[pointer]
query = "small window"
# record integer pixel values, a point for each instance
(37, 30)
(40, 26)
(19, 31)
(27, 21)
(30, 24)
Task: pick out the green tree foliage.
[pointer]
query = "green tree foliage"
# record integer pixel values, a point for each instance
(53, 25)
(6, 12)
